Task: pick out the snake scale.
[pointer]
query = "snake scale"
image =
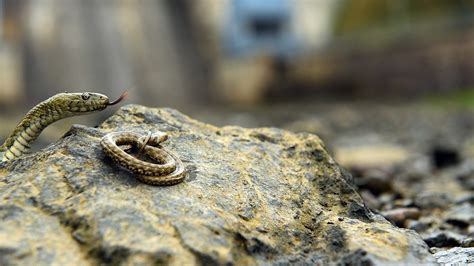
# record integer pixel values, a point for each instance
(169, 170)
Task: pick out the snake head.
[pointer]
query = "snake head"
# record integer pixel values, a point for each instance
(74, 103)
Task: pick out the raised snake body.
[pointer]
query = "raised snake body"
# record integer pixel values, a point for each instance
(57, 107)
(169, 171)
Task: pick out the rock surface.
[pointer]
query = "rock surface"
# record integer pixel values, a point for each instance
(252, 196)
(456, 256)
(435, 174)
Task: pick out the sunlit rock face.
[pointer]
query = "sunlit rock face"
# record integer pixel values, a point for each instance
(251, 196)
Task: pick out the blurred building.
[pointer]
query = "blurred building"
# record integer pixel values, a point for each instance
(367, 48)
(246, 41)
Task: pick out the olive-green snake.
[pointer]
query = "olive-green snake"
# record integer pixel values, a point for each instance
(169, 170)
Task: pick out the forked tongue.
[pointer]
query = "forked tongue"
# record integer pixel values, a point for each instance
(121, 98)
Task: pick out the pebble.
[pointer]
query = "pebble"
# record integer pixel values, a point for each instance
(432, 200)
(377, 181)
(468, 242)
(461, 215)
(416, 225)
(403, 203)
(400, 215)
(386, 200)
(470, 230)
(444, 156)
(443, 239)
(370, 199)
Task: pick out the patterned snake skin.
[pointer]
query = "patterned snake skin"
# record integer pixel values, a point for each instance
(170, 169)
(57, 107)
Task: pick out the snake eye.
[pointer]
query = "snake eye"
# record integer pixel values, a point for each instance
(85, 96)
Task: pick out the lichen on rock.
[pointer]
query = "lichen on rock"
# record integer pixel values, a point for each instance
(251, 196)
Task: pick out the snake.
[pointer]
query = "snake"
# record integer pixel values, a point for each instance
(169, 169)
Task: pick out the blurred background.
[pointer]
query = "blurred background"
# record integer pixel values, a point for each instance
(243, 52)
(387, 84)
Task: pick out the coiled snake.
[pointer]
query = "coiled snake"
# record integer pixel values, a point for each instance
(169, 170)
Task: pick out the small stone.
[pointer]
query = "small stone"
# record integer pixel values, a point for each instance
(444, 156)
(444, 239)
(461, 215)
(461, 199)
(468, 242)
(470, 229)
(416, 225)
(400, 215)
(467, 181)
(434, 250)
(376, 181)
(386, 200)
(403, 203)
(432, 200)
(370, 199)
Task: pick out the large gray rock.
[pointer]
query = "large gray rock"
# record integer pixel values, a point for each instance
(252, 196)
